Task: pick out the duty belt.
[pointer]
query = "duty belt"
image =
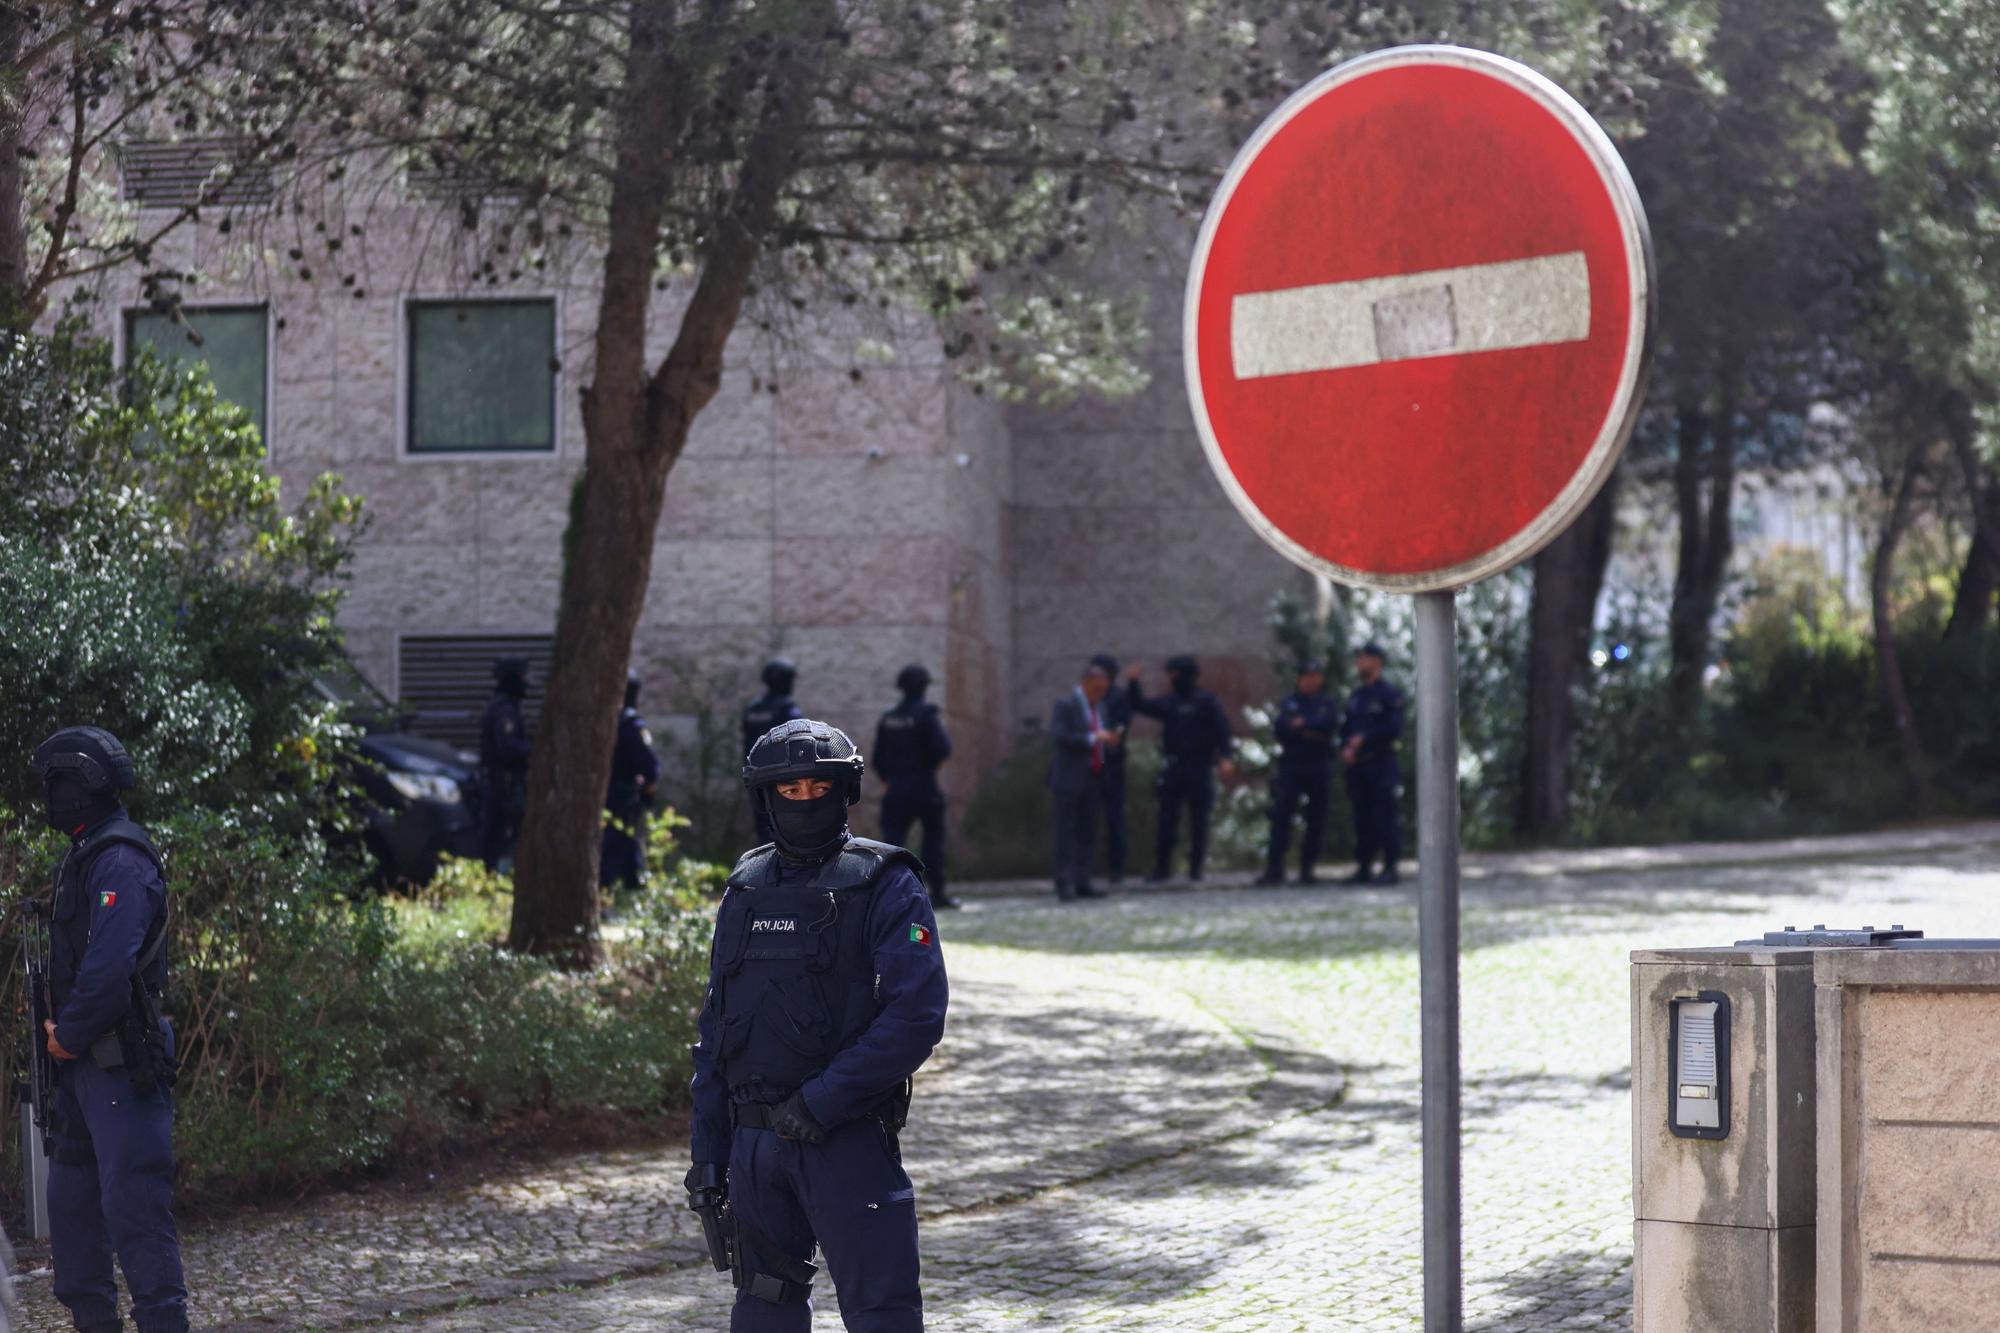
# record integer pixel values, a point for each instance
(752, 1115)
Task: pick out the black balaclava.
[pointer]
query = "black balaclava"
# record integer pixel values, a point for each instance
(514, 686)
(72, 807)
(1182, 672)
(808, 830)
(780, 676)
(913, 680)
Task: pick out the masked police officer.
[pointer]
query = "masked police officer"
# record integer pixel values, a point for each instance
(111, 1135)
(826, 993)
(503, 758)
(1306, 725)
(1195, 740)
(910, 746)
(1368, 734)
(760, 715)
(635, 776)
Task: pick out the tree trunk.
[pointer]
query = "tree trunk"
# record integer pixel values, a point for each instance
(1972, 606)
(1569, 577)
(13, 186)
(1895, 694)
(1704, 489)
(635, 426)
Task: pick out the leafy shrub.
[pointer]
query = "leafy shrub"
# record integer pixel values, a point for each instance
(152, 582)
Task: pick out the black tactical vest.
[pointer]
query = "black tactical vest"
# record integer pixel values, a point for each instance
(69, 940)
(795, 972)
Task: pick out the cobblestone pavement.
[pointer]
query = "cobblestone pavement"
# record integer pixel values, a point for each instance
(1138, 1122)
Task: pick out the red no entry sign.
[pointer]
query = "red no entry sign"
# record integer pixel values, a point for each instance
(1416, 318)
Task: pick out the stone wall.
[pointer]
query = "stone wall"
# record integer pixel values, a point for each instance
(855, 521)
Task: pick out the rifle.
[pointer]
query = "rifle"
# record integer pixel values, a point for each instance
(35, 962)
(41, 1065)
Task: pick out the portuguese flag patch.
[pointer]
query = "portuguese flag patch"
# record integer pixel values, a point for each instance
(107, 899)
(920, 935)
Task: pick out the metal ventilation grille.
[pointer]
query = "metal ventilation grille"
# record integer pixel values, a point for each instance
(450, 186)
(446, 679)
(192, 171)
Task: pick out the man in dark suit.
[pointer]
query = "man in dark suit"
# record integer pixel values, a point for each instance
(1116, 710)
(1083, 744)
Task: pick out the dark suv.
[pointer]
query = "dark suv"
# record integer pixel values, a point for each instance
(420, 796)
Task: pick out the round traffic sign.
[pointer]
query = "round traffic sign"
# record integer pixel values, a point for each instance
(1417, 315)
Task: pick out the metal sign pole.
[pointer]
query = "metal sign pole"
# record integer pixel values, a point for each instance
(1437, 898)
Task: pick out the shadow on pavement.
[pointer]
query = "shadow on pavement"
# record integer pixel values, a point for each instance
(1547, 1291)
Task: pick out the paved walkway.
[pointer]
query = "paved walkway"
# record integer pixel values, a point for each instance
(1166, 1111)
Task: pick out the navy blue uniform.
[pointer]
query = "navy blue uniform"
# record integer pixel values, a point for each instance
(825, 979)
(1305, 727)
(635, 767)
(910, 746)
(111, 1143)
(503, 756)
(759, 716)
(1375, 714)
(1196, 735)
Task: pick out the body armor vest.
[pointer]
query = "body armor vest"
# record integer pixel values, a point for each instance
(794, 967)
(70, 938)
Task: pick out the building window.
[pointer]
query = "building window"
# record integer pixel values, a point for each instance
(482, 377)
(444, 680)
(232, 341)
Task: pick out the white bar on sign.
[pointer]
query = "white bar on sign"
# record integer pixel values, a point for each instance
(1443, 312)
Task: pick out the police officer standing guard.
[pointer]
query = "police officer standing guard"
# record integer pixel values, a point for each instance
(1368, 736)
(635, 774)
(503, 755)
(1305, 727)
(826, 992)
(1195, 740)
(761, 714)
(910, 746)
(111, 1135)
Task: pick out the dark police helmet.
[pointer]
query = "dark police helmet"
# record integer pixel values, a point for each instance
(92, 755)
(913, 679)
(1183, 665)
(803, 748)
(632, 685)
(1372, 649)
(510, 668)
(779, 674)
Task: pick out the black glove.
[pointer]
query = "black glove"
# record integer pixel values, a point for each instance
(793, 1121)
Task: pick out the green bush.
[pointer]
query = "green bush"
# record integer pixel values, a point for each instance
(152, 582)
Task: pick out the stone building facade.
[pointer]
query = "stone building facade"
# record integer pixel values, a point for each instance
(854, 524)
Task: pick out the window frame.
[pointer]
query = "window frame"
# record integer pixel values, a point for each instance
(406, 354)
(122, 347)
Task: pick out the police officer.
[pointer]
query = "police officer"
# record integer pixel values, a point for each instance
(760, 715)
(1306, 725)
(1195, 740)
(503, 757)
(826, 993)
(910, 746)
(635, 775)
(1368, 735)
(111, 1134)
(1116, 711)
